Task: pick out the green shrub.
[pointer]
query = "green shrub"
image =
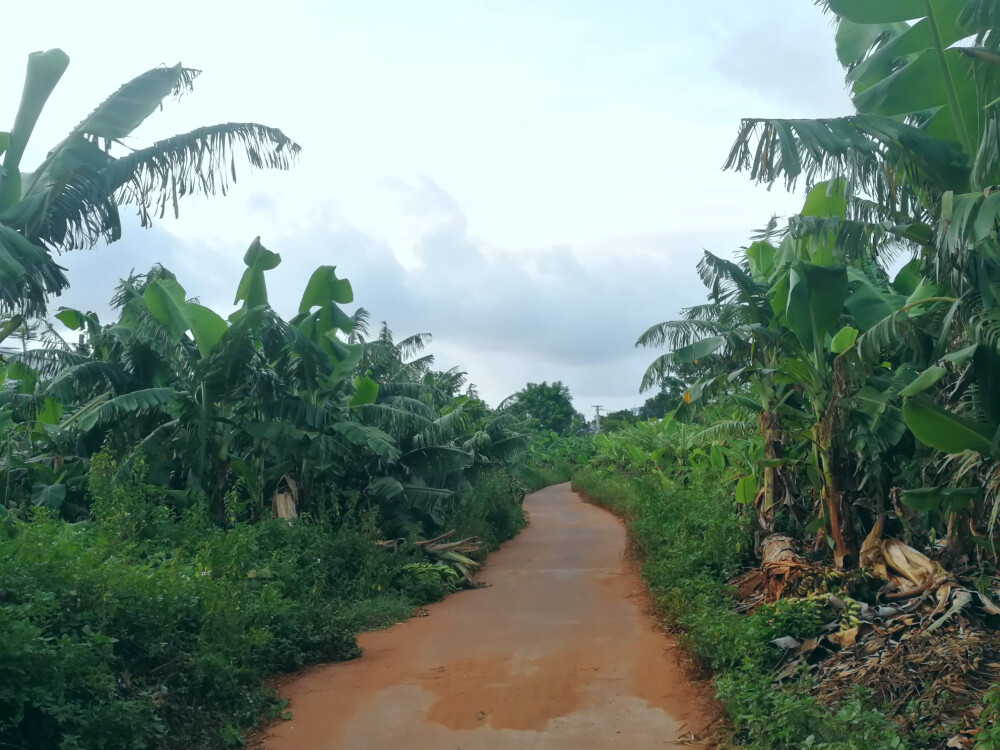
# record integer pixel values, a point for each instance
(428, 582)
(492, 511)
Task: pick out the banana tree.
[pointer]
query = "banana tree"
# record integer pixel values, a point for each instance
(837, 305)
(72, 199)
(733, 344)
(925, 123)
(922, 141)
(201, 392)
(903, 60)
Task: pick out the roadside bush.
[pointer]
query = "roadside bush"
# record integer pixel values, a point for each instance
(492, 511)
(428, 582)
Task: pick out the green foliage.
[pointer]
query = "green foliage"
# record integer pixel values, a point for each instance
(616, 420)
(989, 736)
(250, 407)
(491, 512)
(856, 374)
(551, 459)
(429, 582)
(548, 408)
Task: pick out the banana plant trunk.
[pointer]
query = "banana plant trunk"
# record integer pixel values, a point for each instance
(831, 494)
(770, 424)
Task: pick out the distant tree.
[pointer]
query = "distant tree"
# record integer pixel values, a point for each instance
(617, 419)
(671, 395)
(547, 406)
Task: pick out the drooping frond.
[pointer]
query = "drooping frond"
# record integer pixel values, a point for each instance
(443, 429)
(852, 240)
(294, 354)
(361, 320)
(143, 347)
(709, 312)
(431, 501)
(49, 362)
(901, 330)
(449, 382)
(674, 334)
(727, 282)
(772, 232)
(414, 390)
(151, 444)
(368, 437)
(984, 326)
(437, 459)
(971, 220)
(722, 431)
(28, 275)
(408, 403)
(489, 449)
(203, 161)
(130, 289)
(106, 411)
(394, 419)
(887, 160)
(129, 106)
(295, 412)
(657, 372)
(412, 344)
(415, 368)
(86, 379)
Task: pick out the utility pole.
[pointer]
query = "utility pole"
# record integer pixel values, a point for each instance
(597, 410)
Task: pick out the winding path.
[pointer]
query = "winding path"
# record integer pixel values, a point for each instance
(558, 652)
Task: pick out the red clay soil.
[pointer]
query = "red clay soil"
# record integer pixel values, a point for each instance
(558, 652)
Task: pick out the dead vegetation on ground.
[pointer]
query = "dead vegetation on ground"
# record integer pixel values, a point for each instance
(923, 640)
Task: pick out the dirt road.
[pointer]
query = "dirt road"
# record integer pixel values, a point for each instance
(558, 652)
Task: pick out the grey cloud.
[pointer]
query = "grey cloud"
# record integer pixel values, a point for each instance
(504, 317)
(93, 274)
(509, 317)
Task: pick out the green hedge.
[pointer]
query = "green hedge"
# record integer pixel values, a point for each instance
(142, 630)
(692, 540)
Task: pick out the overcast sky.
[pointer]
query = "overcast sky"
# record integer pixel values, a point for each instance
(531, 182)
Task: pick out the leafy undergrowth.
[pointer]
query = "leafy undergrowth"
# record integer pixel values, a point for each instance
(551, 459)
(692, 541)
(146, 630)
